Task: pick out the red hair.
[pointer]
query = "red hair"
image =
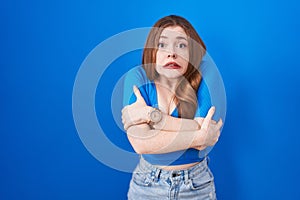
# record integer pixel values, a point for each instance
(186, 92)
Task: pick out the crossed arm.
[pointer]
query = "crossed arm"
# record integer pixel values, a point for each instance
(170, 134)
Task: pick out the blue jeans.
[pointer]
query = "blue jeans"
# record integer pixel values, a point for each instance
(149, 182)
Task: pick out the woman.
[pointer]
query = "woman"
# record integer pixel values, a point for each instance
(169, 119)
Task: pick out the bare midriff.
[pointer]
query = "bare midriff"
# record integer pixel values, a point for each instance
(177, 167)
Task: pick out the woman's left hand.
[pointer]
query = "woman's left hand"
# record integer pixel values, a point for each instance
(213, 125)
(136, 113)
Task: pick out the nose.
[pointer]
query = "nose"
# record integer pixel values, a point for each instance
(172, 55)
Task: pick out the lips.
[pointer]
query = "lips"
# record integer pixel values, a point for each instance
(172, 65)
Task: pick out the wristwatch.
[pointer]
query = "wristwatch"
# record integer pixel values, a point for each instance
(155, 115)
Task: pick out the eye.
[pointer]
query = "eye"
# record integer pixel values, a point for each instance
(181, 45)
(161, 45)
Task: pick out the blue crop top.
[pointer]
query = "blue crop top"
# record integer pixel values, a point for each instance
(137, 76)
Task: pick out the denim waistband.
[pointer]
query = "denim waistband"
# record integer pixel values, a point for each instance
(185, 174)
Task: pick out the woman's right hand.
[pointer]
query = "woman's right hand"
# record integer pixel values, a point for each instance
(135, 113)
(209, 132)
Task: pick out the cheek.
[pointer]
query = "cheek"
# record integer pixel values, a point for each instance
(185, 56)
(184, 69)
(159, 57)
(185, 61)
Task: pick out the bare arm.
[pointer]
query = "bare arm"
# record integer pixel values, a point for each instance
(184, 133)
(137, 113)
(169, 123)
(145, 140)
(149, 141)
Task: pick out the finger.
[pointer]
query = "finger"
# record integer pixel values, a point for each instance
(216, 140)
(128, 125)
(124, 109)
(208, 117)
(123, 116)
(219, 124)
(125, 127)
(199, 120)
(217, 134)
(137, 93)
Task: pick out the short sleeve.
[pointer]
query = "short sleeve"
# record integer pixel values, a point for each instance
(213, 87)
(137, 77)
(204, 102)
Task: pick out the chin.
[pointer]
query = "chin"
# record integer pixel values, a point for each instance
(170, 73)
(173, 76)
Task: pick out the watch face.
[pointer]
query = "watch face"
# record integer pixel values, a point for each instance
(155, 116)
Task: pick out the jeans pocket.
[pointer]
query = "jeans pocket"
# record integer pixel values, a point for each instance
(141, 179)
(202, 181)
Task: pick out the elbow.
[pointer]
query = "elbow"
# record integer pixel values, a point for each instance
(138, 145)
(139, 150)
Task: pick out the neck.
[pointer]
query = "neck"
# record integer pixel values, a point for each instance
(171, 84)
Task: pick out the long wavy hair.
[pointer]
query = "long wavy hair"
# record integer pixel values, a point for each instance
(186, 91)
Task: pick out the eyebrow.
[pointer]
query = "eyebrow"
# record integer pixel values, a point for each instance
(178, 37)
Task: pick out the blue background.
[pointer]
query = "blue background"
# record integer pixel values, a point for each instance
(255, 45)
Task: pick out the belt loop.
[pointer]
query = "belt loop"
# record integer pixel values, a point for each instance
(186, 176)
(207, 160)
(157, 173)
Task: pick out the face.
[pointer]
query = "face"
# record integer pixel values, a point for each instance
(172, 56)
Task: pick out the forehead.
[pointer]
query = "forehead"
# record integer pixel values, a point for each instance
(173, 32)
